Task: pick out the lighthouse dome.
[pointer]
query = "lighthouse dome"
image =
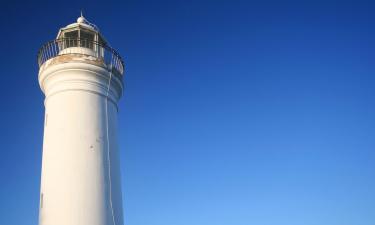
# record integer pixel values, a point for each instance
(81, 19)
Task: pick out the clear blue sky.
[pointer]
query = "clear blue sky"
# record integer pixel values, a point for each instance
(234, 113)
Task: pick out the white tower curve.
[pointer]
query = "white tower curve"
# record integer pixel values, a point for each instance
(82, 79)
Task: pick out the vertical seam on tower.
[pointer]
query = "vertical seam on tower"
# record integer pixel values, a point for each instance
(108, 152)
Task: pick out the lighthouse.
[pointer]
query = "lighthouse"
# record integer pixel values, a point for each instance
(81, 77)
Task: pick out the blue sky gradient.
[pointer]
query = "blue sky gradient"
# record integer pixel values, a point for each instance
(234, 113)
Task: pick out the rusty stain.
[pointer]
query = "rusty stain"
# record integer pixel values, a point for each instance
(77, 57)
(71, 57)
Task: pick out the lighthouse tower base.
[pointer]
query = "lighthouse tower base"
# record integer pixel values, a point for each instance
(80, 169)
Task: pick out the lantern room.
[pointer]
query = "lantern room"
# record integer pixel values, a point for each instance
(81, 34)
(82, 40)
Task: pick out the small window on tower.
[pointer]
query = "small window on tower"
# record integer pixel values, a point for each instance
(71, 39)
(41, 200)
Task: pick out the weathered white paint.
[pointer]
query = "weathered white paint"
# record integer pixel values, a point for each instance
(80, 185)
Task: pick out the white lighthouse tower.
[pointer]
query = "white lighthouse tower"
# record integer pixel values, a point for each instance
(82, 79)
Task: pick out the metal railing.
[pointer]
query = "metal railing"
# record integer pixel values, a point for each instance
(66, 46)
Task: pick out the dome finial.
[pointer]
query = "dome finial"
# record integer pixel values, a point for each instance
(81, 19)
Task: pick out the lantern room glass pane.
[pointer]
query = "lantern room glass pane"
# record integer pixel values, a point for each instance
(101, 41)
(71, 39)
(101, 46)
(86, 39)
